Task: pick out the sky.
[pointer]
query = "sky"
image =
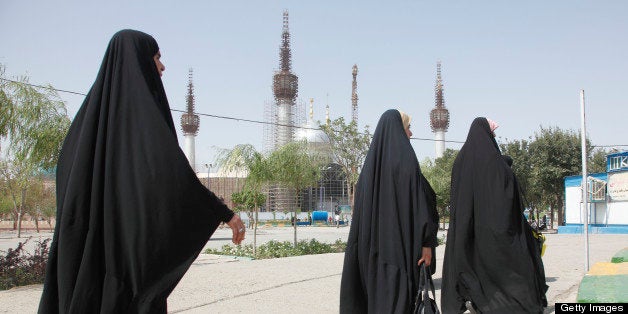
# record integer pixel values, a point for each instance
(521, 63)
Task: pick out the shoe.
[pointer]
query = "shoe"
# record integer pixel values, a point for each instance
(470, 307)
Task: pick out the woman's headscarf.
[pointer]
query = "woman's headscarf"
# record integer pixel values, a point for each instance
(131, 213)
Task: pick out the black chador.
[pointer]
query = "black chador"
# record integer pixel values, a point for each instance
(393, 218)
(131, 214)
(490, 257)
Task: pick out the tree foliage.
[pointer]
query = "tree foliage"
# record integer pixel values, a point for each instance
(438, 174)
(542, 164)
(349, 147)
(294, 167)
(597, 163)
(34, 122)
(245, 158)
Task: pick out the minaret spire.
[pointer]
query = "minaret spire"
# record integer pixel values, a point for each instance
(285, 89)
(354, 95)
(327, 120)
(439, 116)
(189, 123)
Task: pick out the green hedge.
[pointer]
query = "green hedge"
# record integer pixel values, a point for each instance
(275, 249)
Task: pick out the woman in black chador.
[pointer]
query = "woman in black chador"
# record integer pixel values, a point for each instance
(491, 262)
(394, 225)
(131, 214)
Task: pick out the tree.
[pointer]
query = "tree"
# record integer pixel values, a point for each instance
(555, 154)
(40, 202)
(245, 158)
(348, 149)
(438, 174)
(248, 200)
(34, 122)
(6, 205)
(597, 163)
(522, 166)
(18, 178)
(295, 168)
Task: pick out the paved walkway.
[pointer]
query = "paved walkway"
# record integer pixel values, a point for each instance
(311, 284)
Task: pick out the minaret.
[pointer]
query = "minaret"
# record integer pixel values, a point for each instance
(285, 89)
(327, 120)
(189, 124)
(354, 95)
(439, 116)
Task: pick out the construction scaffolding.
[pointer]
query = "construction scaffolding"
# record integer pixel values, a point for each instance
(283, 117)
(330, 192)
(354, 94)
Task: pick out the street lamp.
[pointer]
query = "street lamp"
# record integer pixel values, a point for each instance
(321, 195)
(209, 166)
(322, 187)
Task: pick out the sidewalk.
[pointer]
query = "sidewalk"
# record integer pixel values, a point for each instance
(311, 284)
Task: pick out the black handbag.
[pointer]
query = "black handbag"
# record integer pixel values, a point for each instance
(424, 304)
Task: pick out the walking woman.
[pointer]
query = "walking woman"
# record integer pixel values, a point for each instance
(394, 225)
(491, 264)
(131, 214)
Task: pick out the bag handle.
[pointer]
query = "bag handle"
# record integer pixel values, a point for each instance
(425, 286)
(428, 284)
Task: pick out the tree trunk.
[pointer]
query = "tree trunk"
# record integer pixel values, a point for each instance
(295, 230)
(19, 214)
(16, 215)
(352, 199)
(255, 233)
(559, 204)
(37, 223)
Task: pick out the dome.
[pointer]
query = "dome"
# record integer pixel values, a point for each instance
(310, 134)
(316, 140)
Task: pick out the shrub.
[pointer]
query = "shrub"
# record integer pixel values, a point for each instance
(442, 240)
(19, 268)
(275, 249)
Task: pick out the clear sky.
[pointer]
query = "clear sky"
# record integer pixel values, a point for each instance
(520, 63)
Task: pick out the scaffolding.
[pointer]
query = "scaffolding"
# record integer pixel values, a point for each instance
(354, 94)
(330, 192)
(280, 198)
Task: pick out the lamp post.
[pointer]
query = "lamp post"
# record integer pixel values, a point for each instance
(343, 190)
(321, 195)
(209, 166)
(322, 187)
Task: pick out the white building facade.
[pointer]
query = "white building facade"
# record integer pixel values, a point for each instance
(607, 199)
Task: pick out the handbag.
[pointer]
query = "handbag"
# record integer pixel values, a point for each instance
(424, 304)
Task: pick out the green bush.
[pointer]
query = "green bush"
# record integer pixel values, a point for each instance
(276, 249)
(18, 268)
(442, 240)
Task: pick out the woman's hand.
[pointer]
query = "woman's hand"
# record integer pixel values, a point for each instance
(238, 229)
(426, 256)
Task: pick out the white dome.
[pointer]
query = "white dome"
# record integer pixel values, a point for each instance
(311, 135)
